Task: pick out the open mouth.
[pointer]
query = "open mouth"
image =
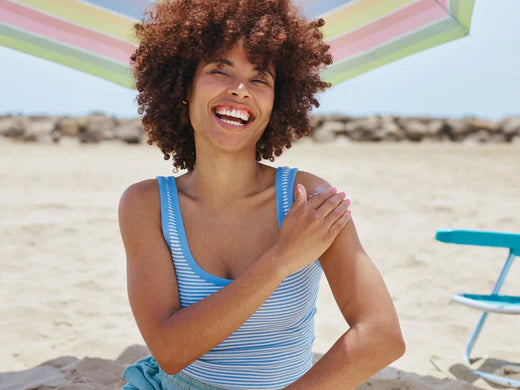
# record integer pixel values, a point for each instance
(233, 121)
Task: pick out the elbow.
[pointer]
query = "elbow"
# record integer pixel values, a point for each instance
(392, 346)
(171, 356)
(398, 347)
(168, 357)
(169, 365)
(170, 369)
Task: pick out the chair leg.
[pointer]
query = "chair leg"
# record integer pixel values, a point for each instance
(496, 289)
(474, 336)
(500, 380)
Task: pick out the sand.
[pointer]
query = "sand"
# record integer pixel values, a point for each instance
(63, 287)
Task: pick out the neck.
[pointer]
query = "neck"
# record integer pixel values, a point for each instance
(219, 179)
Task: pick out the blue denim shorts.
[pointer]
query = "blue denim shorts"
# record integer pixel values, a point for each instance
(146, 374)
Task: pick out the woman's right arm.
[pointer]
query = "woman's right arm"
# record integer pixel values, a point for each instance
(178, 337)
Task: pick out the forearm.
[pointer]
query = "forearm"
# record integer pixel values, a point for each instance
(193, 331)
(355, 357)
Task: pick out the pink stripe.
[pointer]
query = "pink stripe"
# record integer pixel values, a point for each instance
(386, 29)
(79, 37)
(444, 4)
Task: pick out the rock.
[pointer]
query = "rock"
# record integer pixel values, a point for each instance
(363, 129)
(68, 127)
(476, 125)
(98, 128)
(327, 131)
(14, 126)
(458, 129)
(417, 129)
(480, 136)
(510, 127)
(388, 130)
(129, 130)
(42, 129)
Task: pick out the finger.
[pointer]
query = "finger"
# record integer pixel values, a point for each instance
(318, 190)
(330, 204)
(300, 195)
(336, 213)
(340, 223)
(319, 197)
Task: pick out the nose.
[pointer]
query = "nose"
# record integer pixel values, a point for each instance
(238, 89)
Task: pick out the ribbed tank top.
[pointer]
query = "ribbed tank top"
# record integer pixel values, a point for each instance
(273, 348)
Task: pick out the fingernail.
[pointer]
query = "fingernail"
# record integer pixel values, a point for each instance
(347, 201)
(335, 190)
(342, 194)
(349, 212)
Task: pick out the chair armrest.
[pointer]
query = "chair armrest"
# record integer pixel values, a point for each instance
(481, 238)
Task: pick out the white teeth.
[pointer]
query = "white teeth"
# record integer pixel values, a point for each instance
(232, 123)
(244, 115)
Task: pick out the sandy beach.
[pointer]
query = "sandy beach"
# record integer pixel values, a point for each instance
(63, 282)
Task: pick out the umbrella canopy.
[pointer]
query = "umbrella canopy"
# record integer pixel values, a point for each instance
(96, 36)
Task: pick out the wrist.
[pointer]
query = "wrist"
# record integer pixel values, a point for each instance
(275, 261)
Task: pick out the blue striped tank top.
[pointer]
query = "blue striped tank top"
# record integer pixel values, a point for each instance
(273, 348)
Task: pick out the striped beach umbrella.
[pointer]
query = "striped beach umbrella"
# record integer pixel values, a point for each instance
(96, 36)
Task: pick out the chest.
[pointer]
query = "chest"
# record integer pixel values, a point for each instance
(228, 243)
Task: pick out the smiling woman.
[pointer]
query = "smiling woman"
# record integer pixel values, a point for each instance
(224, 261)
(181, 35)
(232, 94)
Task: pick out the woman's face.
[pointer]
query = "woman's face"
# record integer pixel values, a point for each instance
(230, 101)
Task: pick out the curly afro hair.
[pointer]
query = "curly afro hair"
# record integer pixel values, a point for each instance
(180, 33)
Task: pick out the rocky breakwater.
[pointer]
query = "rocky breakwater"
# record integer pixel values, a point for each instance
(96, 128)
(389, 128)
(93, 128)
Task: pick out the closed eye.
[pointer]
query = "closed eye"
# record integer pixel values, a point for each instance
(220, 72)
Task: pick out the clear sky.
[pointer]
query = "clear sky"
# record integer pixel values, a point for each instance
(478, 75)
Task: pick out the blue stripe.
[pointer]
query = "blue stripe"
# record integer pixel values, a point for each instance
(133, 9)
(273, 348)
(318, 8)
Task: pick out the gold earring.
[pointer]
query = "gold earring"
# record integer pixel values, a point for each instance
(185, 102)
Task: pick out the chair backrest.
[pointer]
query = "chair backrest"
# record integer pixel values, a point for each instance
(481, 238)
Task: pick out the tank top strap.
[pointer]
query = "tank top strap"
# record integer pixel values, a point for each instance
(285, 177)
(168, 223)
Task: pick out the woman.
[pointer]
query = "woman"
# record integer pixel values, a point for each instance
(222, 261)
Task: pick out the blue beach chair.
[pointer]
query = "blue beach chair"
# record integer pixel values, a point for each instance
(494, 302)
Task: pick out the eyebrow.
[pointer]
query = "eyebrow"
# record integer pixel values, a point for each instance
(227, 62)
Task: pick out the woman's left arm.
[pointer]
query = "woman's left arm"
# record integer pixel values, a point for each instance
(374, 338)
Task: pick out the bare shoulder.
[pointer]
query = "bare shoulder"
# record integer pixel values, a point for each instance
(311, 182)
(139, 201)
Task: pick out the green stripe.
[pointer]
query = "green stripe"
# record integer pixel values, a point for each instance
(88, 16)
(462, 10)
(434, 35)
(73, 58)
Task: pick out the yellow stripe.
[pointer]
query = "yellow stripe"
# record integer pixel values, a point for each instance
(358, 14)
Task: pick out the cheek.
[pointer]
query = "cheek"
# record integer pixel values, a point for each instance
(268, 102)
(199, 105)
